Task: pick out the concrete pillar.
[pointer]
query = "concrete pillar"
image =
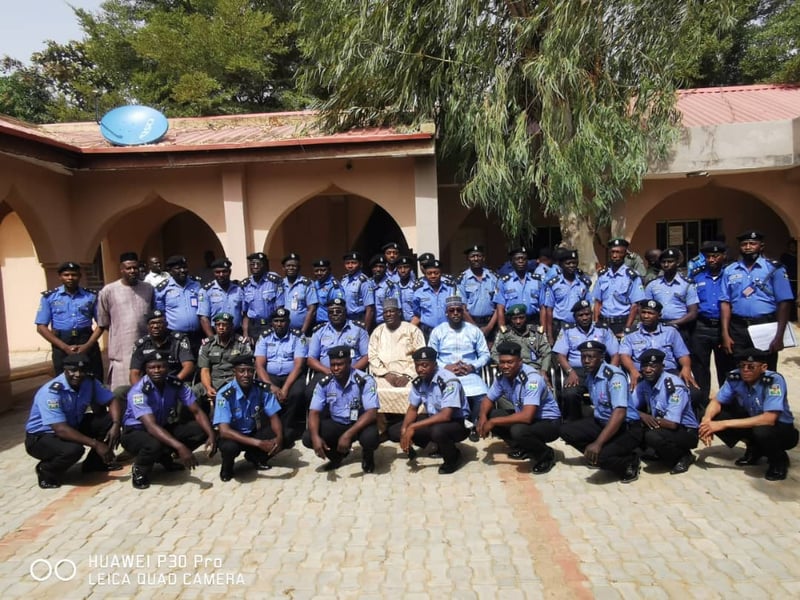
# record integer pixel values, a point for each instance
(235, 240)
(426, 203)
(5, 359)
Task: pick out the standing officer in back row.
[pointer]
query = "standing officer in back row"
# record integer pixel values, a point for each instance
(617, 290)
(220, 296)
(477, 286)
(263, 293)
(179, 299)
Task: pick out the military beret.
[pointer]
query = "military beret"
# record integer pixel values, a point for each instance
(126, 256)
(81, 361)
(390, 246)
(432, 264)
(321, 262)
(377, 259)
(473, 249)
(336, 302)
(424, 353)
(279, 314)
(257, 256)
(650, 304)
(155, 314)
(221, 263)
(618, 242)
(580, 305)
(454, 301)
(516, 309)
(565, 254)
(223, 316)
(426, 257)
(509, 349)
(176, 260)
(592, 345)
(352, 256)
(670, 253)
(652, 356)
(68, 266)
(403, 260)
(751, 235)
(389, 303)
(340, 352)
(290, 256)
(751, 355)
(247, 360)
(157, 357)
(518, 250)
(712, 247)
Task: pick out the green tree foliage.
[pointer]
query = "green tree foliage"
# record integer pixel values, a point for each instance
(557, 102)
(23, 92)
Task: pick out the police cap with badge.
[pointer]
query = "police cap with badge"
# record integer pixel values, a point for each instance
(752, 355)
(222, 263)
(650, 305)
(751, 234)
(424, 353)
(176, 260)
(323, 263)
(68, 266)
(475, 249)
(590, 345)
(290, 256)
(279, 314)
(247, 360)
(340, 352)
(618, 242)
(78, 362)
(155, 314)
(516, 310)
(223, 316)
(509, 349)
(581, 305)
(713, 248)
(652, 356)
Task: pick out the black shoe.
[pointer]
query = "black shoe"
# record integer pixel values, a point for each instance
(631, 473)
(412, 453)
(139, 478)
(258, 464)
(650, 456)
(225, 474)
(749, 458)
(171, 466)
(473, 435)
(333, 464)
(546, 463)
(100, 467)
(518, 455)
(434, 453)
(452, 466)
(683, 464)
(778, 470)
(368, 462)
(45, 482)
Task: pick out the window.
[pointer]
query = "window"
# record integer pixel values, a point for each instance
(686, 235)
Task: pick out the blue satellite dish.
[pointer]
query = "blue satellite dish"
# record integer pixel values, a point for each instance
(133, 125)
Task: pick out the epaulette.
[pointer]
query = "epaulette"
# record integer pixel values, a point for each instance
(441, 383)
(417, 284)
(209, 285)
(362, 278)
(196, 278)
(416, 382)
(262, 384)
(553, 280)
(172, 380)
(734, 376)
(273, 277)
(669, 385)
(147, 387)
(326, 380)
(91, 291)
(569, 326)
(241, 339)
(767, 379)
(229, 394)
(359, 324)
(138, 342)
(696, 271)
(360, 381)
(631, 273)
(457, 279)
(235, 282)
(523, 378)
(536, 277)
(775, 263)
(56, 386)
(317, 327)
(162, 285)
(245, 282)
(177, 335)
(602, 271)
(584, 278)
(48, 293)
(204, 341)
(608, 372)
(506, 277)
(266, 332)
(304, 280)
(297, 332)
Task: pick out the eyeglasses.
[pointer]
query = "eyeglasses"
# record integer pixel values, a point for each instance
(455, 310)
(747, 366)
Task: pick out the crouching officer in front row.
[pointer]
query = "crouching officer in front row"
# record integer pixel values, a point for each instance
(59, 426)
(152, 429)
(344, 408)
(247, 415)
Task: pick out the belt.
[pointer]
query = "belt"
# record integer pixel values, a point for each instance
(482, 320)
(753, 320)
(623, 319)
(708, 321)
(74, 332)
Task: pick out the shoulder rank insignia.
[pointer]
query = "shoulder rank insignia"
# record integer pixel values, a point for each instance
(669, 385)
(505, 277)
(318, 326)
(326, 380)
(229, 394)
(48, 293)
(172, 380)
(245, 282)
(441, 383)
(418, 284)
(162, 285)
(553, 280)
(56, 386)
(767, 379)
(608, 372)
(734, 376)
(416, 382)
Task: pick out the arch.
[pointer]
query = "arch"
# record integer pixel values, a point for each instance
(42, 239)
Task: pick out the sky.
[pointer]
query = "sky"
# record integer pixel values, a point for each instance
(26, 24)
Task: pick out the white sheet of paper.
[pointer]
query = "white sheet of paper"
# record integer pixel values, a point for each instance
(763, 333)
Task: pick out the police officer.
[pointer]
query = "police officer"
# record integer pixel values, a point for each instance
(617, 290)
(477, 286)
(391, 254)
(570, 338)
(179, 299)
(70, 310)
(326, 286)
(175, 346)
(301, 295)
(610, 438)
(405, 287)
(151, 428)
(565, 287)
(263, 293)
(280, 360)
(544, 263)
(519, 287)
(707, 338)
(752, 406)
(59, 427)
(534, 419)
(755, 290)
(381, 285)
(357, 291)
(536, 352)
(676, 294)
(430, 295)
(665, 409)
(349, 400)
(247, 416)
(220, 296)
(446, 409)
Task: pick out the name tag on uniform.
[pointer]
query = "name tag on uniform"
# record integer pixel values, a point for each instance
(193, 301)
(354, 414)
(747, 291)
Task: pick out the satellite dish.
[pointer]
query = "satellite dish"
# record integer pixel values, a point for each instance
(133, 125)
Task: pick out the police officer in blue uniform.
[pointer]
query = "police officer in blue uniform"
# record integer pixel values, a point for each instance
(752, 405)
(519, 287)
(263, 293)
(357, 291)
(280, 360)
(391, 254)
(179, 298)
(59, 427)
(755, 290)
(246, 413)
(677, 295)
(152, 430)
(477, 286)
(65, 319)
(344, 408)
(565, 287)
(446, 409)
(430, 295)
(617, 290)
(220, 296)
(382, 286)
(665, 409)
(405, 286)
(610, 438)
(301, 295)
(326, 286)
(534, 419)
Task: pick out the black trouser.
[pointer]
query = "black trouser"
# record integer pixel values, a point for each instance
(671, 444)
(571, 399)
(256, 326)
(706, 341)
(293, 410)
(617, 453)
(148, 450)
(557, 325)
(76, 337)
(615, 324)
(741, 338)
(444, 435)
(331, 431)
(482, 322)
(316, 376)
(57, 455)
(531, 437)
(230, 449)
(426, 331)
(767, 440)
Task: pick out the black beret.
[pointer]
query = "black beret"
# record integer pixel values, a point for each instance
(403, 260)
(424, 353)
(516, 309)
(290, 256)
(618, 242)
(336, 302)
(279, 313)
(473, 249)
(751, 235)
(321, 262)
(509, 349)
(340, 352)
(751, 355)
(377, 259)
(580, 305)
(155, 314)
(432, 264)
(68, 266)
(711, 247)
(651, 304)
(390, 246)
(518, 250)
(246, 359)
(126, 256)
(223, 316)
(157, 357)
(652, 356)
(670, 253)
(565, 254)
(257, 256)
(221, 263)
(176, 260)
(426, 257)
(592, 345)
(81, 361)
(352, 256)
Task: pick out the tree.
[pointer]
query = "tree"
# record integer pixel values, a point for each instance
(23, 92)
(557, 102)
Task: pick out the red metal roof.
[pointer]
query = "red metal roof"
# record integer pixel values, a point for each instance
(739, 104)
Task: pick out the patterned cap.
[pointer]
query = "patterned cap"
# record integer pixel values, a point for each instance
(247, 360)
(474, 249)
(176, 260)
(223, 316)
(389, 303)
(618, 242)
(580, 305)
(340, 352)
(592, 345)
(424, 353)
(155, 314)
(454, 301)
(321, 262)
(280, 314)
(509, 349)
(516, 309)
(712, 247)
(126, 256)
(290, 256)
(652, 356)
(68, 266)
(651, 305)
(257, 256)
(352, 255)
(751, 234)
(752, 355)
(79, 361)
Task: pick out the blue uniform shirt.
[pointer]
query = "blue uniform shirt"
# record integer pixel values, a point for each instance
(298, 297)
(468, 345)
(244, 412)
(665, 338)
(709, 290)
(442, 391)
(511, 289)
(386, 288)
(261, 298)
(281, 352)
(561, 295)
(359, 393)
(180, 304)
(326, 290)
(65, 311)
(572, 336)
(57, 402)
(406, 295)
(528, 388)
(676, 296)
(429, 304)
(326, 337)
(357, 294)
(668, 398)
(618, 290)
(144, 398)
(214, 300)
(478, 294)
(767, 395)
(757, 292)
(609, 390)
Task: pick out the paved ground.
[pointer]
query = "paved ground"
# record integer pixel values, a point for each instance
(491, 530)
